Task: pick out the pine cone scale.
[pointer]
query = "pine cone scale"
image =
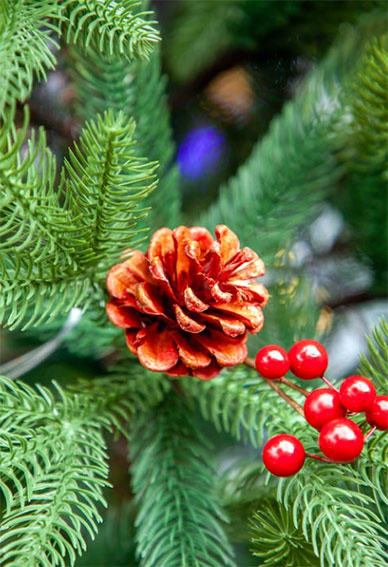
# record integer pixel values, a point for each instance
(188, 304)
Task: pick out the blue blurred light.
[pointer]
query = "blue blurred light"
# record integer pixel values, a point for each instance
(200, 151)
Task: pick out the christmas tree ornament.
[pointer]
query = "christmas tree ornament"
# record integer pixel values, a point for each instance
(308, 359)
(321, 406)
(357, 393)
(341, 440)
(272, 362)
(283, 455)
(377, 414)
(188, 304)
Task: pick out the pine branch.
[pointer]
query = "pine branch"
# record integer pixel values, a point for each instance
(53, 466)
(29, 203)
(276, 540)
(115, 542)
(370, 109)
(237, 401)
(27, 27)
(152, 117)
(375, 365)
(179, 521)
(244, 482)
(103, 182)
(363, 197)
(26, 30)
(52, 256)
(138, 90)
(53, 471)
(101, 83)
(336, 517)
(37, 262)
(127, 390)
(34, 294)
(372, 466)
(295, 164)
(241, 489)
(64, 502)
(113, 27)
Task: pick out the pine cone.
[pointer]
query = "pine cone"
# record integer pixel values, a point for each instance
(187, 304)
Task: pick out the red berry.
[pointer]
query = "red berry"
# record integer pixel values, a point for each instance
(341, 440)
(321, 406)
(283, 455)
(308, 359)
(272, 362)
(357, 393)
(377, 414)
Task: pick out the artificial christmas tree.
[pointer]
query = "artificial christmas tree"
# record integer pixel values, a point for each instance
(108, 262)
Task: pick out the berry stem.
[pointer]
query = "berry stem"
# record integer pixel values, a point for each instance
(318, 458)
(271, 383)
(290, 384)
(370, 432)
(329, 384)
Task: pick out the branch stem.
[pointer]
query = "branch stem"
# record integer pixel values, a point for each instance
(272, 384)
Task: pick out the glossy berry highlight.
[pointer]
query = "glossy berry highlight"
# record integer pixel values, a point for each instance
(377, 415)
(321, 406)
(272, 362)
(284, 455)
(308, 359)
(341, 440)
(357, 393)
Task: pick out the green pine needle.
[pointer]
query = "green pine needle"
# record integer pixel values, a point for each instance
(179, 523)
(375, 364)
(115, 28)
(104, 182)
(127, 390)
(115, 542)
(25, 52)
(28, 31)
(52, 474)
(138, 90)
(231, 404)
(29, 203)
(54, 463)
(296, 163)
(277, 541)
(368, 94)
(337, 517)
(39, 276)
(55, 256)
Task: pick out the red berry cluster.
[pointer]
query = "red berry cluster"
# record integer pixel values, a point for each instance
(326, 409)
